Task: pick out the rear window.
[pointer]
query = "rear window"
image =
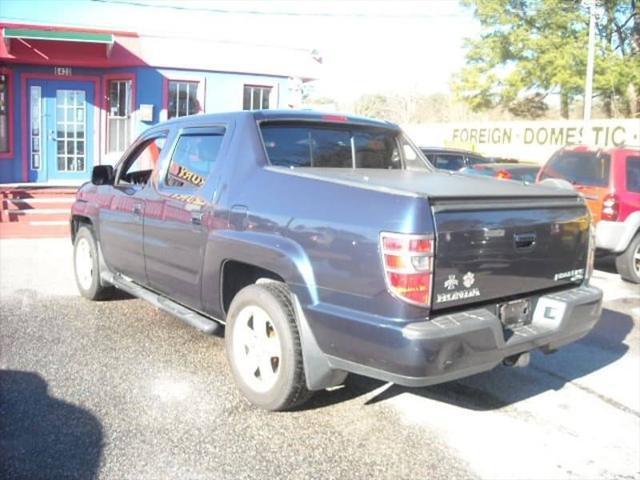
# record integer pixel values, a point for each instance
(334, 146)
(633, 174)
(579, 168)
(447, 161)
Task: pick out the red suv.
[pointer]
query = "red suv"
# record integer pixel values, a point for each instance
(610, 182)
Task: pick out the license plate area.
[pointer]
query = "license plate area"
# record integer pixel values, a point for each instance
(515, 313)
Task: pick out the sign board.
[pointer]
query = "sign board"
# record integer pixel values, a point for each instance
(62, 71)
(146, 112)
(532, 141)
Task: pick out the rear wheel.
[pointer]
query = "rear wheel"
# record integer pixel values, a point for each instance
(86, 266)
(628, 262)
(263, 347)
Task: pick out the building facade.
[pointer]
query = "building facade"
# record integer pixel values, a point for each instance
(73, 98)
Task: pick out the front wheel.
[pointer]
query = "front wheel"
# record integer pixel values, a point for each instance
(86, 266)
(263, 347)
(628, 262)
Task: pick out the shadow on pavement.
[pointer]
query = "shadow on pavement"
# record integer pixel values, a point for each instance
(41, 436)
(118, 295)
(503, 385)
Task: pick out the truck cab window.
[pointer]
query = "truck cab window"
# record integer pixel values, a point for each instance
(192, 160)
(376, 150)
(138, 168)
(413, 157)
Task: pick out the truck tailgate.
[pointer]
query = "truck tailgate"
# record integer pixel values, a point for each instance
(499, 249)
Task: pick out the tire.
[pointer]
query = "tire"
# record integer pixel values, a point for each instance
(263, 347)
(86, 266)
(628, 262)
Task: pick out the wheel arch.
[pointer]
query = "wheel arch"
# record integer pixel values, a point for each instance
(76, 222)
(277, 257)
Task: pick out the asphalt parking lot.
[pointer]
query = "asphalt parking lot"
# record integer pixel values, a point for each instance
(117, 389)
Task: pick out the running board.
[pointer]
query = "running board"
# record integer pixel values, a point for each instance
(202, 323)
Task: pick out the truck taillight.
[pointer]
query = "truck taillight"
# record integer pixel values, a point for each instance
(408, 266)
(610, 208)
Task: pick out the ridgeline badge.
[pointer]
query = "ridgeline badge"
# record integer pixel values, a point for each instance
(573, 275)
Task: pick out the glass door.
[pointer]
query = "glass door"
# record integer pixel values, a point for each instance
(61, 130)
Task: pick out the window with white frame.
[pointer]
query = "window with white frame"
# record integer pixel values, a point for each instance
(256, 97)
(119, 116)
(183, 99)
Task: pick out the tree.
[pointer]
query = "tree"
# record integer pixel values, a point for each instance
(530, 48)
(530, 107)
(374, 105)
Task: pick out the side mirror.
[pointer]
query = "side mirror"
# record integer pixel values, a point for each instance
(102, 175)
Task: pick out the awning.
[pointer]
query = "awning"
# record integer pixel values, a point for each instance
(59, 35)
(51, 35)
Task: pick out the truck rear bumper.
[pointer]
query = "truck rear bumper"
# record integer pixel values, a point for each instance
(460, 344)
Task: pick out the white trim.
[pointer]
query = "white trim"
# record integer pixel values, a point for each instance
(40, 200)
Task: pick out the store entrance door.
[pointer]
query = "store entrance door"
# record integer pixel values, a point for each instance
(61, 133)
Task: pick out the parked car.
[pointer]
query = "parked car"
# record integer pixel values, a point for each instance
(610, 182)
(327, 244)
(523, 172)
(452, 159)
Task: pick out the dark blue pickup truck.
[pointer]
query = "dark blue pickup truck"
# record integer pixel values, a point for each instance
(327, 244)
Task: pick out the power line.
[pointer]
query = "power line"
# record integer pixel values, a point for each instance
(162, 34)
(223, 11)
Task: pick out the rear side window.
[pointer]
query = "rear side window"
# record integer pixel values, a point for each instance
(192, 160)
(633, 174)
(332, 146)
(580, 168)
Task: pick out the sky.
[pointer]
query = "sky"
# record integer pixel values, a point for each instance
(366, 46)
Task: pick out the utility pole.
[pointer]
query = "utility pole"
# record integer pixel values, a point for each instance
(588, 89)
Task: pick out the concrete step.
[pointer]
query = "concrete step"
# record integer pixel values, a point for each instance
(36, 192)
(41, 209)
(62, 199)
(26, 216)
(9, 208)
(38, 211)
(27, 230)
